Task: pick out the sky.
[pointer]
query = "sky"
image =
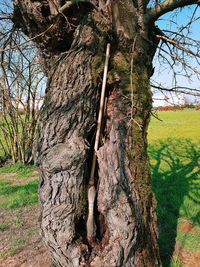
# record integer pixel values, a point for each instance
(162, 74)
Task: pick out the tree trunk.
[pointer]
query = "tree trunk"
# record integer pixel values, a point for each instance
(124, 209)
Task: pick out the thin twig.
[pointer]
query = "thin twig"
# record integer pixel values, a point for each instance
(27, 41)
(181, 61)
(176, 90)
(177, 44)
(155, 116)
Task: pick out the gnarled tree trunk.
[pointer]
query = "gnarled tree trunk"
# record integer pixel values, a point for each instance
(73, 48)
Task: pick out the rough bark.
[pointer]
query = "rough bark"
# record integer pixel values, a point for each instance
(125, 217)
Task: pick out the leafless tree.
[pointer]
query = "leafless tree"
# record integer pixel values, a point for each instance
(21, 85)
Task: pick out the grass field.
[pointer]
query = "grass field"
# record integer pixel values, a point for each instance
(174, 150)
(18, 190)
(175, 124)
(20, 242)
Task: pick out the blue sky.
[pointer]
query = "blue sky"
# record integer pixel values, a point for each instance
(162, 73)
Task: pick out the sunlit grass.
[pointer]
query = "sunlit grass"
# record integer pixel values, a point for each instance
(175, 263)
(191, 241)
(15, 196)
(3, 226)
(21, 170)
(174, 150)
(175, 124)
(4, 182)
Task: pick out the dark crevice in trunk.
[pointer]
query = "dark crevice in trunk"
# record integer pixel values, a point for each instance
(80, 229)
(100, 239)
(80, 223)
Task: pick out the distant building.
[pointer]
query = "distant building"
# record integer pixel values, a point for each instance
(175, 100)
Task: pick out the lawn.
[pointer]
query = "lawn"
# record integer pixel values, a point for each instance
(174, 150)
(18, 190)
(175, 124)
(20, 242)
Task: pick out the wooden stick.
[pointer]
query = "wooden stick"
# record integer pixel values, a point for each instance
(91, 227)
(101, 109)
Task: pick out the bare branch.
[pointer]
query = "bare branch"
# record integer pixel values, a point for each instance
(180, 35)
(65, 6)
(163, 7)
(155, 115)
(181, 61)
(173, 42)
(27, 41)
(68, 4)
(178, 89)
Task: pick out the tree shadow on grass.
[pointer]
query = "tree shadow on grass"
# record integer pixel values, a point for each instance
(175, 170)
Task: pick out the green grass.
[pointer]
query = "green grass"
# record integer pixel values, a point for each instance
(175, 263)
(21, 170)
(10, 252)
(174, 150)
(18, 242)
(175, 124)
(30, 232)
(3, 226)
(4, 182)
(15, 196)
(15, 245)
(191, 241)
(17, 222)
(18, 195)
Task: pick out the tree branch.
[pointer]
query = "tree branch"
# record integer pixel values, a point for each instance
(163, 7)
(28, 40)
(178, 89)
(180, 60)
(68, 4)
(173, 42)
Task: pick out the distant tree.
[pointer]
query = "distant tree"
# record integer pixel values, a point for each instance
(21, 85)
(72, 37)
